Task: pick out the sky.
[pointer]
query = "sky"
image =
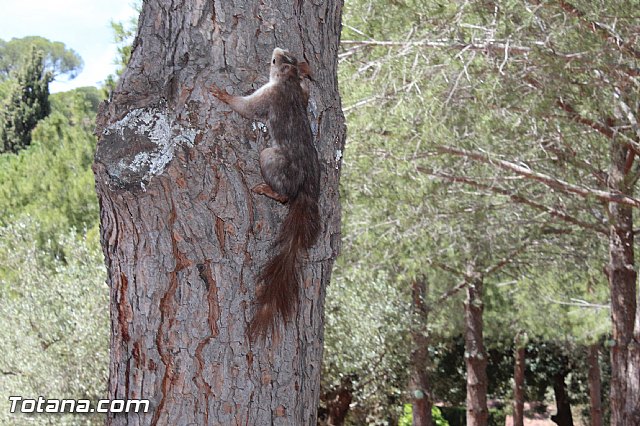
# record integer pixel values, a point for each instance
(82, 25)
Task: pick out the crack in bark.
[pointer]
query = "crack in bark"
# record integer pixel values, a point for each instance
(204, 270)
(199, 380)
(123, 319)
(168, 313)
(220, 232)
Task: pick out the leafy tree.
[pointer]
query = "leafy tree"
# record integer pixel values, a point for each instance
(58, 60)
(124, 36)
(26, 104)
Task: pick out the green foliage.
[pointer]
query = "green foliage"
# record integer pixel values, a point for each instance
(5, 89)
(124, 35)
(26, 103)
(52, 180)
(367, 339)
(53, 301)
(407, 416)
(57, 59)
(54, 317)
(533, 86)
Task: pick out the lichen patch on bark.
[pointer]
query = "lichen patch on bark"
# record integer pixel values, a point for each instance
(141, 145)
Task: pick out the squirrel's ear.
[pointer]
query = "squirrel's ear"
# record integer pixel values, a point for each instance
(286, 69)
(305, 70)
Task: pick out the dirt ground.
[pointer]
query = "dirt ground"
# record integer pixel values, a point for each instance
(533, 418)
(531, 422)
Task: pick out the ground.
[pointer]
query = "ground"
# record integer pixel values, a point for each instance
(534, 418)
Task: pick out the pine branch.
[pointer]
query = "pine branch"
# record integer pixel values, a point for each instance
(549, 181)
(554, 212)
(599, 28)
(508, 258)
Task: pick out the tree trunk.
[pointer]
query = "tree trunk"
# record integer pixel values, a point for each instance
(595, 399)
(563, 416)
(632, 412)
(184, 237)
(338, 402)
(419, 382)
(625, 379)
(518, 378)
(475, 355)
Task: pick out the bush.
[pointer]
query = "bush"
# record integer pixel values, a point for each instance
(407, 416)
(457, 416)
(55, 324)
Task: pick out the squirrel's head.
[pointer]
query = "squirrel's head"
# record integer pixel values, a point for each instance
(283, 65)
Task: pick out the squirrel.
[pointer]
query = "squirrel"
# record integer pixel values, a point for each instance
(291, 171)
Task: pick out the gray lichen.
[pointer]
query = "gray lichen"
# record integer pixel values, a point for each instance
(142, 144)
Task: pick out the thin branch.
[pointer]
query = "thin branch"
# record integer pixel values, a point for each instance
(598, 28)
(448, 268)
(603, 129)
(600, 128)
(452, 291)
(508, 258)
(443, 44)
(549, 181)
(579, 302)
(554, 212)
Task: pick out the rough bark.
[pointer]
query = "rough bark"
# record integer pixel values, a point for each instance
(419, 383)
(563, 415)
(183, 235)
(518, 379)
(595, 398)
(475, 354)
(632, 411)
(625, 410)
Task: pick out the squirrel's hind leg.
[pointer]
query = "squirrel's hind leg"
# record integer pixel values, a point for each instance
(280, 173)
(266, 190)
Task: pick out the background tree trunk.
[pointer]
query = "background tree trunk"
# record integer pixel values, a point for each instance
(475, 354)
(518, 378)
(563, 415)
(622, 282)
(595, 398)
(183, 235)
(338, 402)
(419, 382)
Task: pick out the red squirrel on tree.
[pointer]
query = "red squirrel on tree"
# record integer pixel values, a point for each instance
(291, 171)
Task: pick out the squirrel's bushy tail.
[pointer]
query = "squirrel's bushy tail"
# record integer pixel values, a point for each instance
(278, 296)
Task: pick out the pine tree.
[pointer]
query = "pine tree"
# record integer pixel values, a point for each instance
(26, 104)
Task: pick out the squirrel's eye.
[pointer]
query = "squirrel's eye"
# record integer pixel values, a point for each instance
(273, 61)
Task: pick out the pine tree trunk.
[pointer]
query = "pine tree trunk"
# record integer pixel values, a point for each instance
(625, 377)
(419, 382)
(595, 398)
(518, 378)
(338, 402)
(632, 412)
(184, 237)
(475, 355)
(563, 415)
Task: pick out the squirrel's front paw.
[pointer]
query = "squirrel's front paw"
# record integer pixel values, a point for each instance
(219, 93)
